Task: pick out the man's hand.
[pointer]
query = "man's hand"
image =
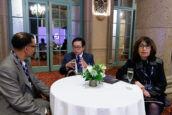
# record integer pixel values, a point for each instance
(48, 112)
(71, 64)
(84, 64)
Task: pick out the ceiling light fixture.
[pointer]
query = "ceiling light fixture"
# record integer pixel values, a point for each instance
(37, 9)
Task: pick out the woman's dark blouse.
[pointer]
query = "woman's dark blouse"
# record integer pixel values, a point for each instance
(158, 79)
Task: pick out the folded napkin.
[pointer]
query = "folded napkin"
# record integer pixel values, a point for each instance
(110, 79)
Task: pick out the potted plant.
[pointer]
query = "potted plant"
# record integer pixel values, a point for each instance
(94, 74)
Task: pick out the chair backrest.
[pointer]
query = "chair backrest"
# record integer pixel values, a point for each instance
(71, 73)
(166, 102)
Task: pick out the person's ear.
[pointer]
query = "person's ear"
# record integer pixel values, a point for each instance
(25, 49)
(83, 47)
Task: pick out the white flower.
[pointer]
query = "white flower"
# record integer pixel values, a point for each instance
(89, 67)
(102, 67)
(93, 73)
(103, 75)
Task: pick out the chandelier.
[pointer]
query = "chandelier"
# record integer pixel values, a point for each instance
(37, 9)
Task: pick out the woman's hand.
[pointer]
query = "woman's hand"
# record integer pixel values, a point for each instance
(145, 92)
(140, 85)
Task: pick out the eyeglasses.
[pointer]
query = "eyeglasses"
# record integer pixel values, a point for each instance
(77, 47)
(33, 46)
(144, 46)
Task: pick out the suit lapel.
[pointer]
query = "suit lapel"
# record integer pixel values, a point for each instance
(21, 72)
(84, 57)
(73, 56)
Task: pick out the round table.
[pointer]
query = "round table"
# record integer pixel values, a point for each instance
(73, 96)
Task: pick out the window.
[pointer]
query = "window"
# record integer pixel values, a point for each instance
(122, 31)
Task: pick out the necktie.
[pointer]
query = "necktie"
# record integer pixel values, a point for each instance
(79, 66)
(27, 73)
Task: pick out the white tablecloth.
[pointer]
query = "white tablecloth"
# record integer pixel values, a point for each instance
(73, 96)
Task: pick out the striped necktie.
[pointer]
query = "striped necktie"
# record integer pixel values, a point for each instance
(79, 66)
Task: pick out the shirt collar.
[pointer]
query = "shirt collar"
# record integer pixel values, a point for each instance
(80, 55)
(23, 63)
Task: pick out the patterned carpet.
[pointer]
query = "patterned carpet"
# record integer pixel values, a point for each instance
(50, 77)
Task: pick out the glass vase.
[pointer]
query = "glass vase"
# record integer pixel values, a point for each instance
(93, 83)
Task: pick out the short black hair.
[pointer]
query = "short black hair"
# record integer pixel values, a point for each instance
(79, 39)
(150, 42)
(21, 39)
(42, 40)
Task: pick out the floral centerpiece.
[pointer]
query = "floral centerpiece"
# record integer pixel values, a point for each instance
(94, 74)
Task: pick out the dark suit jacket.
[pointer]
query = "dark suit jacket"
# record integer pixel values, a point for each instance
(88, 58)
(158, 78)
(16, 96)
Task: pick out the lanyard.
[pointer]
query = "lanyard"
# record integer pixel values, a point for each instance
(23, 66)
(148, 86)
(16, 57)
(146, 75)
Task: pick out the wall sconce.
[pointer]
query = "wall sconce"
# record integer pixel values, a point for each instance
(101, 8)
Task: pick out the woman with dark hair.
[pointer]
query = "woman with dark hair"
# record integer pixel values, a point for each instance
(148, 74)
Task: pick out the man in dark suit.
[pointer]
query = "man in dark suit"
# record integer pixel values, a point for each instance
(20, 89)
(75, 61)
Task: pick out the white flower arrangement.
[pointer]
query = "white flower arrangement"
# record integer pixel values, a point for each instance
(95, 72)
